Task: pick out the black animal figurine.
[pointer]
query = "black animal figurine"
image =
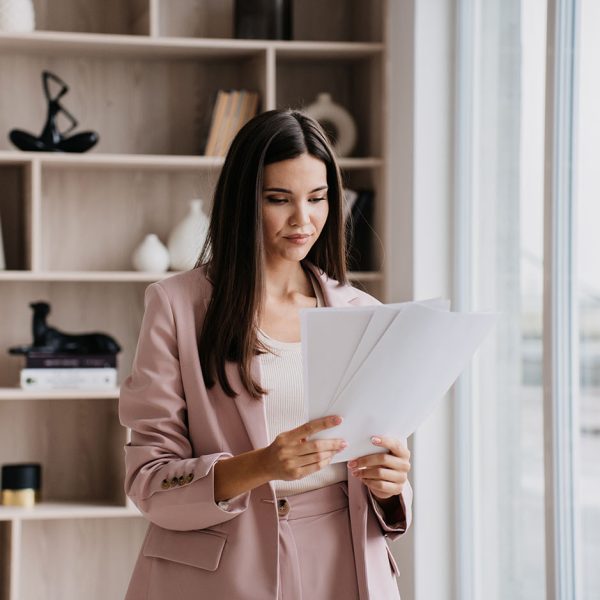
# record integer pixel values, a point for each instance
(50, 339)
(51, 139)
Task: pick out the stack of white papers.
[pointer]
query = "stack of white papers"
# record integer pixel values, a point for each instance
(383, 367)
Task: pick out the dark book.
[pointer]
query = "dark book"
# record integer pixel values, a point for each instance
(359, 232)
(63, 360)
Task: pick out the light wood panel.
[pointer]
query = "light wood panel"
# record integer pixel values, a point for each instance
(79, 444)
(118, 210)
(91, 16)
(78, 558)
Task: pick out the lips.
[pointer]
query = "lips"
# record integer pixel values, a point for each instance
(297, 237)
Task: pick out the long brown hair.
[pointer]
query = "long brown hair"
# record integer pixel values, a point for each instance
(233, 250)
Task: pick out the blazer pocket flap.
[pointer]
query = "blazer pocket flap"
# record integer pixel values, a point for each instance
(199, 548)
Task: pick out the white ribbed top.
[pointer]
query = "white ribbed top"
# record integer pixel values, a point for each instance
(284, 404)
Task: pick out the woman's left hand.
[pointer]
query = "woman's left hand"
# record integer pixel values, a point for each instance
(383, 473)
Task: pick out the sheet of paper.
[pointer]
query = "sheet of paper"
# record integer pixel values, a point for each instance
(329, 336)
(409, 370)
(380, 321)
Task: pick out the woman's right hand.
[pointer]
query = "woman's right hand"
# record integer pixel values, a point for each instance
(292, 456)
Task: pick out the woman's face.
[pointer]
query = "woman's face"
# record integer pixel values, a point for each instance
(294, 202)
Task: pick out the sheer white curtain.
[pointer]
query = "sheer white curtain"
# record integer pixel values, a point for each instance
(587, 242)
(506, 264)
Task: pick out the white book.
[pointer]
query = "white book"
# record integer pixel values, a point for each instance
(78, 379)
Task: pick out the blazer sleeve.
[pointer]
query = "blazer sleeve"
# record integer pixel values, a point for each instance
(170, 486)
(396, 523)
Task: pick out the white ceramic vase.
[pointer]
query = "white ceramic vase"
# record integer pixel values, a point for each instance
(151, 255)
(326, 110)
(17, 15)
(187, 237)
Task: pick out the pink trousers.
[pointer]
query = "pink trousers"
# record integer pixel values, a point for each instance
(316, 556)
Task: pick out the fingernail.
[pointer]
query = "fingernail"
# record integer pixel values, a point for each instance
(344, 445)
(337, 420)
(352, 463)
(376, 440)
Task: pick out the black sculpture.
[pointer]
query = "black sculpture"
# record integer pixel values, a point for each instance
(49, 339)
(51, 139)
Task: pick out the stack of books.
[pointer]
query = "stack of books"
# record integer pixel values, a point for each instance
(54, 370)
(231, 111)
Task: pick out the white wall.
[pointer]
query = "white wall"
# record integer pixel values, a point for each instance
(421, 60)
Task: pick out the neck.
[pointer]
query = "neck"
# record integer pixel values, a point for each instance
(285, 279)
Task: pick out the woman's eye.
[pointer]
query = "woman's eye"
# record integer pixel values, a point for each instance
(319, 199)
(270, 199)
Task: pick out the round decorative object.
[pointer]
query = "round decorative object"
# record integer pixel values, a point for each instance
(21, 484)
(17, 16)
(187, 237)
(151, 255)
(336, 121)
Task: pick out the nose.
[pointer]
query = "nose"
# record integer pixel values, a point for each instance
(300, 214)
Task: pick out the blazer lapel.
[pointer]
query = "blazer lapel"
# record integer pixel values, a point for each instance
(335, 294)
(252, 411)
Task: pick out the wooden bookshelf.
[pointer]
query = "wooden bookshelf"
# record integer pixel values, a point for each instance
(142, 73)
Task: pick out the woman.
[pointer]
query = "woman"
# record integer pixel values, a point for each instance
(241, 504)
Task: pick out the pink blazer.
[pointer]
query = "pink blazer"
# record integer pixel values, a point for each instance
(195, 548)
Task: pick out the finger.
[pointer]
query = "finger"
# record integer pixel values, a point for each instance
(321, 445)
(381, 474)
(394, 445)
(384, 489)
(377, 459)
(308, 465)
(315, 426)
(312, 459)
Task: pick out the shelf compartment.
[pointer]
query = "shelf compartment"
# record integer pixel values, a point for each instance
(110, 16)
(113, 215)
(8, 543)
(15, 203)
(355, 84)
(148, 107)
(346, 20)
(76, 307)
(369, 179)
(78, 558)
(78, 443)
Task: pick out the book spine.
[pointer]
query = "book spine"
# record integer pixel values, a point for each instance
(71, 362)
(80, 379)
(218, 111)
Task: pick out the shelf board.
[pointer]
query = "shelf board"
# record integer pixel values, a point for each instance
(146, 47)
(158, 162)
(127, 276)
(67, 510)
(85, 276)
(17, 393)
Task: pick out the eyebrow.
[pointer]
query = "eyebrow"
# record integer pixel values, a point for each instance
(284, 191)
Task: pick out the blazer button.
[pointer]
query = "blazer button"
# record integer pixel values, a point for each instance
(283, 507)
(165, 485)
(182, 480)
(174, 482)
